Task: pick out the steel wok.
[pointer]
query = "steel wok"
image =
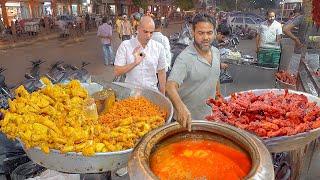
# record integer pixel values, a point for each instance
(73, 162)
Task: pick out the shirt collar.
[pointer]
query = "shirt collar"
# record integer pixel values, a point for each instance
(193, 51)
(157, 33)
(136, 42)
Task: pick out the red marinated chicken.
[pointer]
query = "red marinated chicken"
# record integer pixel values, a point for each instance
(267, 115)
(286, 77)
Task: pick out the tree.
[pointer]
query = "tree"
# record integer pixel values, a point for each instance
(184, 4)
(264, 3)
(140, 3)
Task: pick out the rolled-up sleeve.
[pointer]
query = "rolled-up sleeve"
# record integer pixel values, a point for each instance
(179, 70)
(279, 29)
(162, 64)
(120, 59)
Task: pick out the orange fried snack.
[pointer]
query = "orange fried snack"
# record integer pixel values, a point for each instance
(131, 107)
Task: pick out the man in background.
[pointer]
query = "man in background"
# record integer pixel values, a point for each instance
(126, 28)
(298, 21)
(105, 35)
(159, 37)
(268, 40)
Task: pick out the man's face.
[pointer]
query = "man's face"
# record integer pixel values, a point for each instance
(271, 16)
(220, 37)
(203, 35)
(145, 32)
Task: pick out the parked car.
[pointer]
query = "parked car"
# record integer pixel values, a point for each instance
(253, 16)
(242, 21)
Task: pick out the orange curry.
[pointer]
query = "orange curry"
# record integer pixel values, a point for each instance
(199, 159)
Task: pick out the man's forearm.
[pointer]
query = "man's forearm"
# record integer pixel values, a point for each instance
(162, 80)
(258, 41)
(120, 70)
(287, 31)
(218, 91)
(172, 93)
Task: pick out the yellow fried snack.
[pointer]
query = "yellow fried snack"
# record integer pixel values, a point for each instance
(56, 117)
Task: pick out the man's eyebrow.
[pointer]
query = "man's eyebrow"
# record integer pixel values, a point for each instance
(205, 31)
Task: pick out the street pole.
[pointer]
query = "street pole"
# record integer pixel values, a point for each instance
(282, 9)
(236, 5)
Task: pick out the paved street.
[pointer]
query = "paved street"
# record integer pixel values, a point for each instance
(17, 60)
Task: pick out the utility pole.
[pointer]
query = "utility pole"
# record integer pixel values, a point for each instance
(236, 5)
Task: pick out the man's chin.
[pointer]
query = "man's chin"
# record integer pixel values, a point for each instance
(205, 48)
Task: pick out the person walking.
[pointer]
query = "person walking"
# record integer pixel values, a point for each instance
(105, 35)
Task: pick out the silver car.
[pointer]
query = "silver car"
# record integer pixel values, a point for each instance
(241, 21)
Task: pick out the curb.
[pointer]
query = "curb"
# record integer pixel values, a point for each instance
(22, 44)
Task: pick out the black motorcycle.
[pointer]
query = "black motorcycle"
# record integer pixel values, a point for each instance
(5, 92)
(32, 79)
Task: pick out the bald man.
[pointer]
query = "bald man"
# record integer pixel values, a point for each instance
(140, 59)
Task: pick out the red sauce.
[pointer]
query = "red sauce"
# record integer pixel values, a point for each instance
(199, 159)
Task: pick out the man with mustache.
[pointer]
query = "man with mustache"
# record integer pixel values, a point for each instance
(268, 41)
(195, 74)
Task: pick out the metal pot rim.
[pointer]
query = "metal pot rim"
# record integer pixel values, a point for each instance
(251, 146)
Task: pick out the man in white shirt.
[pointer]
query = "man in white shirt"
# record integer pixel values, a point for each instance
(142, 58)
(159, 37)
(268, 40)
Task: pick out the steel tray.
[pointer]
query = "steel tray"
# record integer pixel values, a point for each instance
(101, 162)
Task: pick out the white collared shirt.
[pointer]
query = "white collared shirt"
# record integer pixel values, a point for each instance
(144, 74)
(159, 37)
(268, 34)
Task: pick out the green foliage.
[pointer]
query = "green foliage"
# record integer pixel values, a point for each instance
(184, 4)
(140, 3)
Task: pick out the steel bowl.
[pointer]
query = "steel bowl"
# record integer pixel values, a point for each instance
(288, 143)
(73, 162)
(262, 167)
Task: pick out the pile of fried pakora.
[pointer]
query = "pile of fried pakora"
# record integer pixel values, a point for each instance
(56, 117)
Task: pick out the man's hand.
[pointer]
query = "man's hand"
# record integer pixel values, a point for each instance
(298, 43)
(257, 49)
(138, 55)
(224, 66)
(184, 117)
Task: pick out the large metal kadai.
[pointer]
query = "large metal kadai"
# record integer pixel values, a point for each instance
(262, 167)
(101, 162)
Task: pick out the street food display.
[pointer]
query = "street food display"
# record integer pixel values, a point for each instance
(286, 77)
(199, 158)
(268, 114)
(64, 117)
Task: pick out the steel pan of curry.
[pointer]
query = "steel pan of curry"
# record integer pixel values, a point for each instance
(139, 165)
(101, 162)
(288, 143)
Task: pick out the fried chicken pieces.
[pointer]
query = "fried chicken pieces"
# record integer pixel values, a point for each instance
(55, 118)
(267, 115)
(286, 77)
